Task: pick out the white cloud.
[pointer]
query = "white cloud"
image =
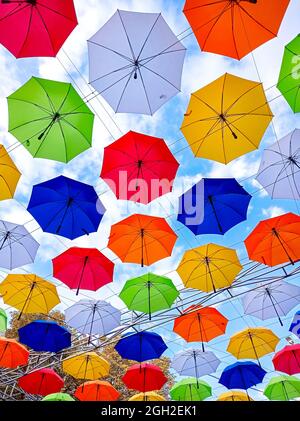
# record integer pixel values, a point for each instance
(273, 211)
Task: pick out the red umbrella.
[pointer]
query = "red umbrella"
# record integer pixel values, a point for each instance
(138, 167)
(83, 268)
(41, 382)
(288, 359)
(36, 28)
(144, 377)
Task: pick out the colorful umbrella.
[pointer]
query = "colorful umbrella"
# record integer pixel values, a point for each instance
(12, 354)
(3, 320)
(234, 28)
(144, 377)
(83, 268)
(209, 267)
(41, 382)
(17, 246)
(213, 206)
(242, 375)
(287, 359)
(234, 396)
(96, 390)
(29, 293)
(136, 62)
(141, 346)
(190, 389)
(226, 119)
(283, 388)
(54, 397)
(200, 324)
(147, 397)
(295, 325)
(56, 204)
(275, 241)
(138, 167)
(50, 119)
(9, 174)
(88, 365)
(36, 28)
(142, 239)
(149, 293)
(45, 336)
(195, 363)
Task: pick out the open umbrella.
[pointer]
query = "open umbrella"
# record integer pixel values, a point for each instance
(283, 388)
(195, 363)
(56, 397)
(9, 175)
(36, 28)
(295, 325)
(96, 390)
(141, 346)
(287, 359)
(275, 241)
(147, 397)
(12, 354)
(56, 204)
(17, 245)
(3, 320)
(242, 375)
(50, 119)
(88, 365)
(149, 293)
(138, 167)
(142, 239)
(41, 382)
(45, 336)
(213, 206)
(209, 267)
(190, 389)
(83, 268)
(144, 377)
(234, 396)
(136, 62)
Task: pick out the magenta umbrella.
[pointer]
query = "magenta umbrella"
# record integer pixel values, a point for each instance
(288, 359)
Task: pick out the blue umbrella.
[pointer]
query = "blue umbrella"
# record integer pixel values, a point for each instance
(242, 375)
(213, 206)
(295, 326)
(45, 336)
(66, 207)
(141, 346)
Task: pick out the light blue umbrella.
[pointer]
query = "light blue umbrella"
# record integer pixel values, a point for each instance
(195, 363)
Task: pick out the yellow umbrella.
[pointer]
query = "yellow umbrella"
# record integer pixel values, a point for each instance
(9, 175)
(234, 396)
(86, 366)
(148, 396)
(209, 267)
(29, 293)
(226, 119)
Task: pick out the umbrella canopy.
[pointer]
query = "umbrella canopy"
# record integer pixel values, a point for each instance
(12, 354)
(190, 389)
(279, 168)
(142, 239)
(45, 336)
(88, 365)
(213, 206)
(295, 325)
(41, 382)
(195, 363)
(287, 359)
(288, 83)
(144, 377)
(138, 167)
(57, 203)
(275, 241)
(274, 300)
(200, 324)
(17, 246)
(242, 375)
(54, 397)
(136, 62)
(234, 28)
(83, 268)
(283, 388)
(149, 293)
(96, 390)
(147, 397)
(226, 119)
(9, 175)
(29, 293)
(141, 346)
(209, 267)
(3, 320)
(234, 396)
(50, 119)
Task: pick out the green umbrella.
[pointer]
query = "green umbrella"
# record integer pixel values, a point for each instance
(50, 119)
(190, 389)
(283, 388)
(3, 320)
(58, 397)
(289, 78)
(149, 293)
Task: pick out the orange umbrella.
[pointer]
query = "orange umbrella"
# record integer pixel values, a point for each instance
(200, 324)
(12, 354)
(96, 390)
(234, 28)
(142, 239)
(275, 241)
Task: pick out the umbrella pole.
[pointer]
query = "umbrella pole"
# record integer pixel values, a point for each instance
(82, 273)
(215, 213)
(282, 245)
(142, 238)
(26, 301)
(196, 368)
(93, 316)
(210, 275)
(285, 391)
(4, 240)
(199, 321)
(149, 298)
(254, 349)
(69, 204)
(273, 304)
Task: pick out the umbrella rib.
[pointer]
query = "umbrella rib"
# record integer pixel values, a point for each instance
(128, 39)
(32, 103)
(15, 11)
(63, 136)
(246, 92)
(201, 141)
(28, 30)
(159, 75)
(56, 11)
(232, 30)
(150, 58)
(148, 36)
(146, 94)
(124, 89)
(255, 20)
(217, 18)
(46, 28)
(29, 122)
(75, 128)
(48, 96)
(65, 98)
(282, 170)
(113, 51)
(204, 5)
(243, 134)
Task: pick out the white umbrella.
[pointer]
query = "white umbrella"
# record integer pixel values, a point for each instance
(195, 363)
